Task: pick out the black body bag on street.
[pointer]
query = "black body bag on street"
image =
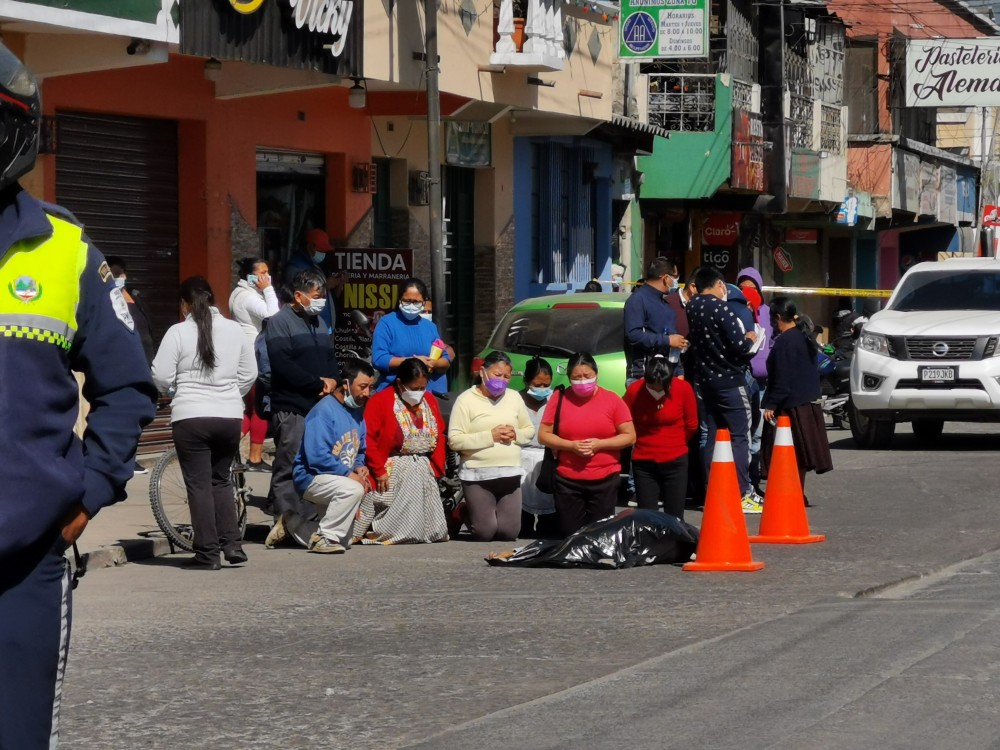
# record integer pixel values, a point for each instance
(546, 481)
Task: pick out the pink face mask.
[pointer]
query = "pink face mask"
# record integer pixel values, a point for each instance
(584, 387)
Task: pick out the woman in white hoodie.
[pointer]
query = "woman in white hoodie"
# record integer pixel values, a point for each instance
(253, 300)
(208, 365)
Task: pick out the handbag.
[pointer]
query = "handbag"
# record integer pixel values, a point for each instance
(546, 481)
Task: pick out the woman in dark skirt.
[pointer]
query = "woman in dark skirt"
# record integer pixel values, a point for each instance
(793, 390)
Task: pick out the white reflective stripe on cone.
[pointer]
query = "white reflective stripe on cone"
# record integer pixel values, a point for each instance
(783, 437)
(723, 453)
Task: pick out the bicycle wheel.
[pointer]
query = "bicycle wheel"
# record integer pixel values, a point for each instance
(241, 494)
(168, 498)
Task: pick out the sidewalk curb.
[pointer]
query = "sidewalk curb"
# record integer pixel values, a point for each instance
(145, 548)
(126, 551)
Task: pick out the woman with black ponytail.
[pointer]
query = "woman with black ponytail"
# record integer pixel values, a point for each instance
(665, 414)
(207, 364)
(793, 390)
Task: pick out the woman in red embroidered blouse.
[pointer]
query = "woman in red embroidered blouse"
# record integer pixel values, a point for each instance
(405, 456)
(665, 414)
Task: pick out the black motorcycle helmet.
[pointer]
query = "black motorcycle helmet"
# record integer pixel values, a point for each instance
(20, 115)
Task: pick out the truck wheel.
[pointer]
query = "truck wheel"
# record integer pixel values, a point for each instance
(928, 430)
(870, 434)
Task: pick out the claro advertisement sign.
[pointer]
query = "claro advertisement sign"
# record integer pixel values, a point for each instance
(953, 73)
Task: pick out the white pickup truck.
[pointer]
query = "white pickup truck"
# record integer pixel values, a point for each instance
(933, 353)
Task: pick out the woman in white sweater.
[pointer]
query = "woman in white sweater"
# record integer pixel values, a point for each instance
(251, 303)
(207, 364)
(488, 426)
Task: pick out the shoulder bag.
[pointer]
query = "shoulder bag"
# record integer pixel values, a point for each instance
(546, 481)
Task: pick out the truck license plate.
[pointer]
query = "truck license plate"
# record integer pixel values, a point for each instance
(937, 374)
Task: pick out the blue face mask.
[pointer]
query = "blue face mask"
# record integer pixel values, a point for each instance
(411, 311)
(350, 403)
(540, 394)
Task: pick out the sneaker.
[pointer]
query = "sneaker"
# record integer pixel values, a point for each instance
(324, 546)
(313, 540)
(259, 466)
(277, 533)
(752, 504)
(138, 468)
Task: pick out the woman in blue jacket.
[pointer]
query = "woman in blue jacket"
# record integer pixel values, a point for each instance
(402, 334)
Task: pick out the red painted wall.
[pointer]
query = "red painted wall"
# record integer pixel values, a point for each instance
(218, 140)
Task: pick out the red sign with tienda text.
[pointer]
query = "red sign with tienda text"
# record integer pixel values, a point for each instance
(721, 230)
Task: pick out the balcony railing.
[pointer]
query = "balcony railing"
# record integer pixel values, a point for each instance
(830, 129)
(801, 115)
(539, 44)
(682, 102)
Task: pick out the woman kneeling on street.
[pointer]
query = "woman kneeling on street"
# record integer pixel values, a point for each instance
(538, 509)
(594, 426)
(207, 362)
(487, 427)
(665, 413)
(406, 455)
(793, 389)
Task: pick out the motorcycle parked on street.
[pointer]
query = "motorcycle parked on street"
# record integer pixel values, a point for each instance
(834, 362)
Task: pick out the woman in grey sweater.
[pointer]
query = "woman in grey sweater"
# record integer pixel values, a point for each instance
(207, 364)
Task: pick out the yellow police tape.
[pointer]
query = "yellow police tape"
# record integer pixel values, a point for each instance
(821, 292)
(813, 291)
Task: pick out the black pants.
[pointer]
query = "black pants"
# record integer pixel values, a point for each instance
(35, 620)
(206, 447)
(579, 502)
(287, 429)
(661, 482)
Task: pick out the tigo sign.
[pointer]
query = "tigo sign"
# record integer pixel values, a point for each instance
(721, 230)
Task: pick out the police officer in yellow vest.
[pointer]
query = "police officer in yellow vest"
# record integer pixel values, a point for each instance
(59, 312)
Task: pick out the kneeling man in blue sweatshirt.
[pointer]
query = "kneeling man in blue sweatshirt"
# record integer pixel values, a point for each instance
(330, 469)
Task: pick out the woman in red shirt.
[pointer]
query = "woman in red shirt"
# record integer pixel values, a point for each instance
(594, 426)
(665, 413)
(405, 453)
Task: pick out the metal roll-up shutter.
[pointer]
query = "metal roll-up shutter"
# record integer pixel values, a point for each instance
(118, 175)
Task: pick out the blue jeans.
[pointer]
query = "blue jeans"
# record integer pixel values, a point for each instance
(729, 408)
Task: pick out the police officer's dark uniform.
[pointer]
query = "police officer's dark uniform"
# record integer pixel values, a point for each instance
(59, 312)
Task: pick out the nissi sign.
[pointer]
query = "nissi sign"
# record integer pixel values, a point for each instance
(319, 16)
(721, 230)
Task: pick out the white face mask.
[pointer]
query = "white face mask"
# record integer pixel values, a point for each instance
(412, 397)
(120, 282)
(315, 306)
(427, 316)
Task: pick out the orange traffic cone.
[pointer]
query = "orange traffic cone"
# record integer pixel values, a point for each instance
(784, 520)
(723, 544)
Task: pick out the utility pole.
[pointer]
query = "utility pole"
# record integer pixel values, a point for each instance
(438, 291)
(981, 232)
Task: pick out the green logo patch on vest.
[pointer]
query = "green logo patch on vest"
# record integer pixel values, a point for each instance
(25, 289)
